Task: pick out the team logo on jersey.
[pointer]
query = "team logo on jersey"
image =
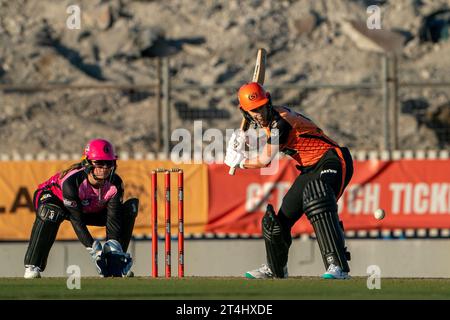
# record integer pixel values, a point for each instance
(70, 203)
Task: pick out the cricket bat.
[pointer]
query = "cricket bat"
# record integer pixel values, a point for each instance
(258, 76)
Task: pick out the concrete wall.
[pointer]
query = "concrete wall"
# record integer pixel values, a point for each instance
(396, 258)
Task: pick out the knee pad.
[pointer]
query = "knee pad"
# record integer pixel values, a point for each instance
(131, 207)
(45, 228)
(51, 212)
(319, 204)
(276, 241)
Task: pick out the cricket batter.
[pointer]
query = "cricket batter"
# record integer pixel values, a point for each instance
(86, 193)
(325, 170)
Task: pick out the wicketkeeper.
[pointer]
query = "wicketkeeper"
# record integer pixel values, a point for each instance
(325, 170)
(86, 193)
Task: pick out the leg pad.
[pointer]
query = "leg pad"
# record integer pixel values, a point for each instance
(277, 243)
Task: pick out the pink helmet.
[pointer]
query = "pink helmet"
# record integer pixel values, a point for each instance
(99, 149)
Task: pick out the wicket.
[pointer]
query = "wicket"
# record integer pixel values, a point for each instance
(168, 250)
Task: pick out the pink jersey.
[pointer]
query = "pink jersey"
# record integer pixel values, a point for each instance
(75, 191)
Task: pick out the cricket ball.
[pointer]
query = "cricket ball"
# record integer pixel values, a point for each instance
(379, 214)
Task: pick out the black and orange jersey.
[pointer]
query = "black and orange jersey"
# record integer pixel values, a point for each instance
(299, 137)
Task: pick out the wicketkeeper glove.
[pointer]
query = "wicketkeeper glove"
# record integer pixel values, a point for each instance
(118, 262)
(96, 254)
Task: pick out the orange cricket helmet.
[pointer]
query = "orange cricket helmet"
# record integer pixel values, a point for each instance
(252, 96)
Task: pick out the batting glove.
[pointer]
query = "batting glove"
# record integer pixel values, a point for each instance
(237, 141)
(234, 158)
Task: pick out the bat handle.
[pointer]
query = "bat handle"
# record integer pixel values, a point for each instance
(231, 171)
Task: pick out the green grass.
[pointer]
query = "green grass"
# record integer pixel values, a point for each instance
(223, 288)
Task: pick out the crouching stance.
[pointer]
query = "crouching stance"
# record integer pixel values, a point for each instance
(87, 193)
(325, 170)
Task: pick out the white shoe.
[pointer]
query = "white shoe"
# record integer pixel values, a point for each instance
(335, 272)
(32, 272)
(263, 273)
